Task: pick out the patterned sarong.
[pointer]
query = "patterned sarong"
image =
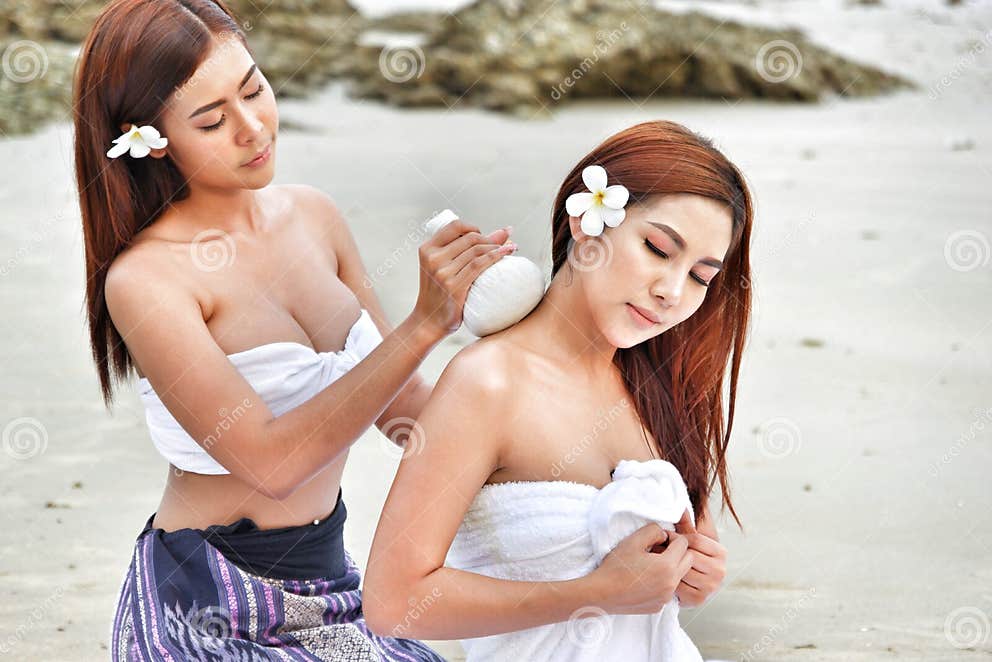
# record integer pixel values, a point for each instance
(183, 599)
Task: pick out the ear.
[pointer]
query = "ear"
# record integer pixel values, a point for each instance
(575, 225)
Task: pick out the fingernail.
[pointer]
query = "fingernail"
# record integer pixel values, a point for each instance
(509, 229)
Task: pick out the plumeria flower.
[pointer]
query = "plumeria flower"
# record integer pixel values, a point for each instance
(600, 204)
(139, 140)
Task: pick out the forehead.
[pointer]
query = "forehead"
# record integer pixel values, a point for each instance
(217, 77)
(704, 223)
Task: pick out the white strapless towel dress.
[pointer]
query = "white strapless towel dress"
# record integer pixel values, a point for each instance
(561, 530)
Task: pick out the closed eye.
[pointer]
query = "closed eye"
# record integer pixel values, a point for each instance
(214, 127)
(657, 251)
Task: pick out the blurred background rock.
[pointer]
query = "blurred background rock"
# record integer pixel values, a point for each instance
(505, 55)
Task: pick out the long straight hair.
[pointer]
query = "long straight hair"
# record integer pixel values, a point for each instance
(677, 379)
(137, 54)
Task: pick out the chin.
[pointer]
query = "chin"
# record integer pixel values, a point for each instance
(260, 184)
(630, 340)
(260, 179)
(622, 336)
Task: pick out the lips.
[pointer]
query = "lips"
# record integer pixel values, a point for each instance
(646, 313)
(261, 153)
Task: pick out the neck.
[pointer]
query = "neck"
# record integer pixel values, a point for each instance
(231, 210)
(564, 315)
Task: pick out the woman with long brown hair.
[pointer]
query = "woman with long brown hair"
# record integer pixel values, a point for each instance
(261, 353)
(598, 416)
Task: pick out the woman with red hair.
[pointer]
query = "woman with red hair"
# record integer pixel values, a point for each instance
(566, 463)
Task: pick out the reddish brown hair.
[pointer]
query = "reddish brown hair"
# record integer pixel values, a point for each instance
(677, 378)
(135, 56)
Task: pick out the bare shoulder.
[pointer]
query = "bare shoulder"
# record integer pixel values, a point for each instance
(319, 214)
(315, 205)
(486, 365)
(141, 284)
(144, 265)
(484, 377)
(471, 400)
(142, 277)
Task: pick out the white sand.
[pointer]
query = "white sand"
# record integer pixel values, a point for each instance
(857, 465)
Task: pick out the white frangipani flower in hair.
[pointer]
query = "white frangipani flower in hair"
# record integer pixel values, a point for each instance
(139, 141)
(600, 205)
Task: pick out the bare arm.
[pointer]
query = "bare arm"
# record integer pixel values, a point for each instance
(165, 332)
(461, 433)
(351, 270)
(431, 493)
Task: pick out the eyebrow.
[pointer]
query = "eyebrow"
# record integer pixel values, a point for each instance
(211, 106)
(680, 242)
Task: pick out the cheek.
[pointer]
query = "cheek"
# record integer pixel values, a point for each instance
(691, 303)
(268, 109)
(614, 274)
(631, 270)
(208, 159)
(607, 280)
(183, 153)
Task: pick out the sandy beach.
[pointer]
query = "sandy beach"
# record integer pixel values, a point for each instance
(863, 420)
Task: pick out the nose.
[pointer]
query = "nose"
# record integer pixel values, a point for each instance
(252, 128)
(668, 290)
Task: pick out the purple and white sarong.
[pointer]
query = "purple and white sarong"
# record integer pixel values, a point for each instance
(237, 592)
